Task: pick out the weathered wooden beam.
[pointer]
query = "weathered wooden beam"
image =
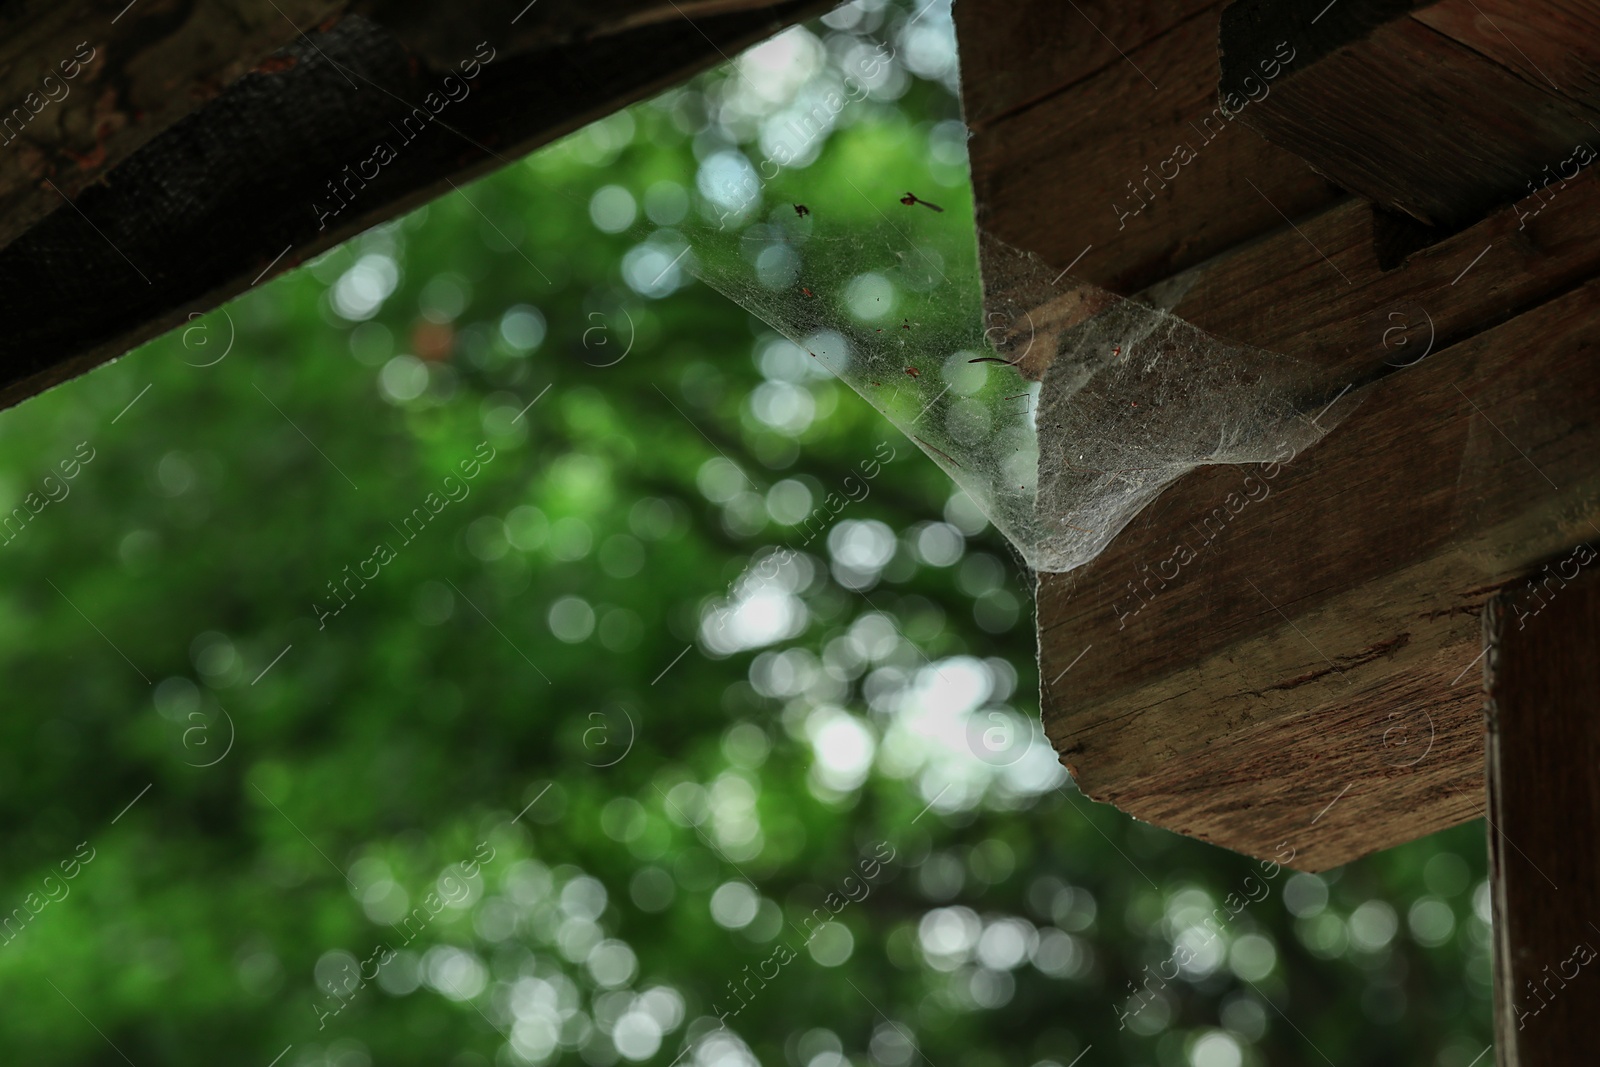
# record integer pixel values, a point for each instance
(83, 86)
(1313, 647)
(1543, 682)
(170, 220)
(1020, 54)
(1324, 293)
(1436, 112)
(1080, 117)
(1301, 677)
(1303, 683)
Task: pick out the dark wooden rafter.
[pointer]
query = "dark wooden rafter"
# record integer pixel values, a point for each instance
(1069, 131)
(1309, 675)
(1495, 97)
(1321, 645)
(198, 144)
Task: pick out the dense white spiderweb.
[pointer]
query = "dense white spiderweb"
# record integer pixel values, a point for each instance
(1061, 408)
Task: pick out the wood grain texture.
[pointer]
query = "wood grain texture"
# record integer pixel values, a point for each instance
(1065, 173)
(1015, 54)
(1317, 294)
(132, 78)
(1317, 640)
(1438, 114)
(443, 33)
(1519, 36)
(230, 193)
(1320, 293)
(1543, 682)
(153, 63)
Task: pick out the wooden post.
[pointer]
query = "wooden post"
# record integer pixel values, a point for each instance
(1543, 681)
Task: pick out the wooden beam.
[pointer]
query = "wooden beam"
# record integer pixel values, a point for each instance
(1315, 646)
(1072, 133)
(1301, 678)
(84, 86)
(1435, 113)
(1323, 293)
(1020, 54)
(167, 221)
(80, 93)
(1543, 681)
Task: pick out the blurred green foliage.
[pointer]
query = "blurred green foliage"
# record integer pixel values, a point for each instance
(617, 774)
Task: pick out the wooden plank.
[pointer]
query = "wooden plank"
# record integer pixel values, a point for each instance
(79, 92)
(1318, 627)
(1285, 294)
(195, 216)
(137, 70)
(1324, 294)
(1512, 33)
(1437, 114)
(1016, 53)
(1543, 680)
(1075, 175)
(1324, 291)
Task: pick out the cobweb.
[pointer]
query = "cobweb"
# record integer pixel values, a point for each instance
(1060, 408)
